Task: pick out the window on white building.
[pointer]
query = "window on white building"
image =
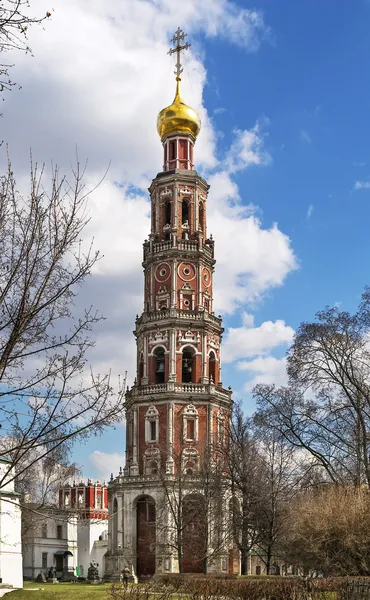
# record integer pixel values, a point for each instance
(44, 530)
(59, 532)
(44, 560)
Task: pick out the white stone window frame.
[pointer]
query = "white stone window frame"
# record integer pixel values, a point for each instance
(190, 414)
(187, 294)
(151, 415)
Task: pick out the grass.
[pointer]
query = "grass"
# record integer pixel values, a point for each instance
(63, 591)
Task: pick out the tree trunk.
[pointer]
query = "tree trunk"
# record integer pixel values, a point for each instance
(243, 562)
(179, 558)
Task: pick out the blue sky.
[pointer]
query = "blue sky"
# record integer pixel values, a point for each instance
(288, 84)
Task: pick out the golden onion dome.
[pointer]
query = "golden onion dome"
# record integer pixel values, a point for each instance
(178, 117)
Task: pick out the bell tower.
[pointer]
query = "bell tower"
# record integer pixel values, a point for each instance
(177, 405)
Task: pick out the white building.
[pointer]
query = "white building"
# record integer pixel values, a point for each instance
(10, 530)
(92, 541)
(49, 540)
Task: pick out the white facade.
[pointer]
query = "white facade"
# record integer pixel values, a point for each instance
(92, 541)
(10, 532)
(50, 541)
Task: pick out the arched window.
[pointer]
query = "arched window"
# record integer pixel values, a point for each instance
(115, 523)
(153, 217)
(187, 365)
(145, 536)
(194, 531)
(151, 425)
(190, 424)
(185, 215)
(212, 367)
(201, 216)
(159, 367)
(141, 368)
(167, 212)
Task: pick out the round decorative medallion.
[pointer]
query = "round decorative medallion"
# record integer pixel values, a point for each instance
(206, 277)
(162, 272)
(186, 271)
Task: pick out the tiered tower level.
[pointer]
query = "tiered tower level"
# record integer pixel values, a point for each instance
(90, 500)
(177, 405)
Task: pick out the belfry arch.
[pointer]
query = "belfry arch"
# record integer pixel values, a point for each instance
(145, 536)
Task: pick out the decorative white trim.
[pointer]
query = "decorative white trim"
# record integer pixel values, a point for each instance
(165, 193)
(190, 455)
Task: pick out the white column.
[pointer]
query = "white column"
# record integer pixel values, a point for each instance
(210, 425)
(175, 209)
(172, 369)
(157, 212)
(135, 467)
(204, 358)
(152, 305)
(144, 380)
(199, 298)
(173, 284)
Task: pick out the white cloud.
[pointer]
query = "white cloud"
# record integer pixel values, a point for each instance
(264, 369)
(246, 150)
(99, 75)
(106, 463)
(362, 185)
(309, 211)
(245, 342)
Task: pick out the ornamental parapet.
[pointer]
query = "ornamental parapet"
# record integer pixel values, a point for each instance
(201, 316)
(153, 248)
(178, 388)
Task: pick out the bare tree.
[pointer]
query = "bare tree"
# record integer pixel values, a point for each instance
(325, 409)
(245, 468)
(281, 477)
(328, 531)
(49, 397)
(15, 21)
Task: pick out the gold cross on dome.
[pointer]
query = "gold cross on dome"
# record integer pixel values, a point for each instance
(176, 40)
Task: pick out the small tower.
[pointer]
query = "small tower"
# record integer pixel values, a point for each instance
(90, 502)
(177, 408)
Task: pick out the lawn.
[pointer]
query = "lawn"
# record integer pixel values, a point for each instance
(62, 591)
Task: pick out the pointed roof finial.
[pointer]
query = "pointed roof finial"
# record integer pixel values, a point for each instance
(178, 117)
(176, 40)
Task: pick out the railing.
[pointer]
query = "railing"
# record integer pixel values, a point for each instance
(187, 245)
(180, 388)
(174, 313)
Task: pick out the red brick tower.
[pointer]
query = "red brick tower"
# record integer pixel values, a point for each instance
(90, 500)
(177, 407)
